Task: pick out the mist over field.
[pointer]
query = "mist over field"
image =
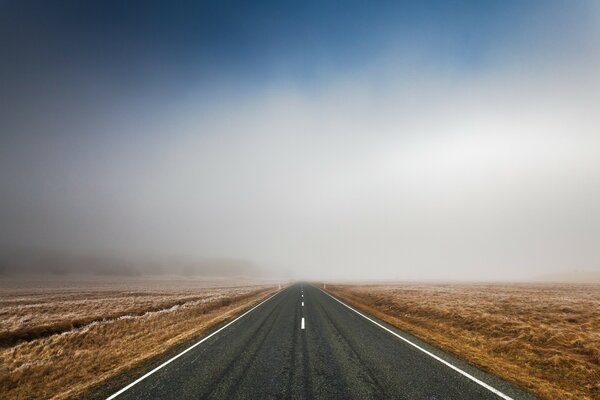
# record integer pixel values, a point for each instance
(44, 265)
(301, 140)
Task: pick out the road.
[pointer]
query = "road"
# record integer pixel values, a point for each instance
(304, 344)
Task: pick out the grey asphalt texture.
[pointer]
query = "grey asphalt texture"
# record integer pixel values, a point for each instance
(339, 355)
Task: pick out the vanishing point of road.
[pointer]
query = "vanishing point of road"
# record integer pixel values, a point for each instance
(302, 343)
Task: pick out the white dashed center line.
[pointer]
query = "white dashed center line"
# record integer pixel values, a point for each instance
(302, 326)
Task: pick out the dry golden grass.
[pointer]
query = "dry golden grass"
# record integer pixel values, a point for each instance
(57, 341)
(544, 338)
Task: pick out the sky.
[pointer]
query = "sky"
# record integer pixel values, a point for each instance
(437, 140)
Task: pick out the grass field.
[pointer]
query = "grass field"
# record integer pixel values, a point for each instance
(57, 340)
(542, 337)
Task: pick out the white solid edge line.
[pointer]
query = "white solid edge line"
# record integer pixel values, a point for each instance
(446, 363)
(302, 327)
(138, 380)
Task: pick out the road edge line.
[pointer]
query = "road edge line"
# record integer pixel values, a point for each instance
(138, 380)
(446, 363)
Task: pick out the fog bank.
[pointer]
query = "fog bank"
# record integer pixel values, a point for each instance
(420, 143)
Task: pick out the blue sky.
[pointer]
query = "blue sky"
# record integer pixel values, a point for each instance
(145, 44)
(366, 139)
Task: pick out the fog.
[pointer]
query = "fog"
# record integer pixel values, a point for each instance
(398, 167)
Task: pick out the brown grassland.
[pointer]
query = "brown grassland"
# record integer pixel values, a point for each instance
(59, 340)
(544, 338)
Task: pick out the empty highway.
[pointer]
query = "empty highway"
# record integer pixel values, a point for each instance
(302, 343)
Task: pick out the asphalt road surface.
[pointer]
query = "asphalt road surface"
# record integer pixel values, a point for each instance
(303, 344)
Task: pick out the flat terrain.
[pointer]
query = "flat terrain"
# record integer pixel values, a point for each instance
(542, 337)
(303, 344)
(58, 339)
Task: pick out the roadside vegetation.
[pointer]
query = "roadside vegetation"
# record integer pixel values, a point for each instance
(59, 340)
(544, 338)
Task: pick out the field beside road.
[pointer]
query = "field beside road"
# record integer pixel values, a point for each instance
(543, 337)
(58, 339)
